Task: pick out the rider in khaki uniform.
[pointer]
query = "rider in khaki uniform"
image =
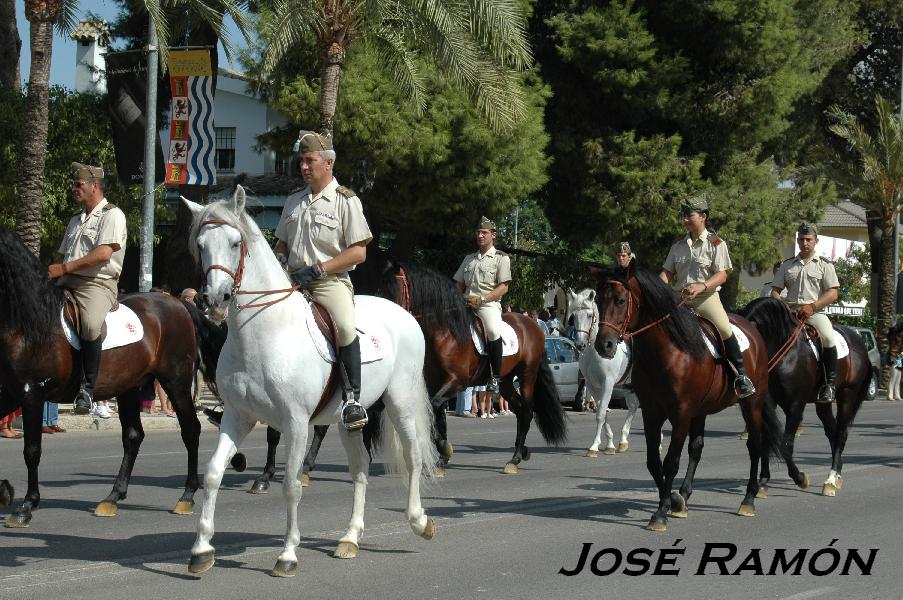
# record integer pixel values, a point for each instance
(699, 265)
(483, 278)
(93, 249)
(811, 286)
(322, 236)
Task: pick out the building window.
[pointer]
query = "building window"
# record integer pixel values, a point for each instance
(283, 164)
(225, 149)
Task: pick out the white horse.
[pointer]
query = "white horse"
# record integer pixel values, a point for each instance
(271, 371)
(601, 373)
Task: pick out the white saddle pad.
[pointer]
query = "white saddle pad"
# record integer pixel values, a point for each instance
(123, 328)
(510, 345)
(843, 349)
(741, 339)
(371, 345)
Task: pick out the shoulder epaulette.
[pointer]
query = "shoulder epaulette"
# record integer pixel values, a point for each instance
(715, 239)
(346, 191)
(108, 206)
(500, 253)
(789, 259)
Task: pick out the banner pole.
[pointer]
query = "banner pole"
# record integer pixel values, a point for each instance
(146, 267)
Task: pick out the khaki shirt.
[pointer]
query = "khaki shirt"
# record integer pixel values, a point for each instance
(85, 232)
(694, 262)
(481, 274)
(317, 229)
(805, 282)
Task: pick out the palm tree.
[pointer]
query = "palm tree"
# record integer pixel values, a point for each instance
(477, 44)
(874, 180)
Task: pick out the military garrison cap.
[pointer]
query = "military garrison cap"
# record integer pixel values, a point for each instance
(694, 204)
(624, 248)
(807, 229)
(85, 172)
(311, 141)
(485, 223)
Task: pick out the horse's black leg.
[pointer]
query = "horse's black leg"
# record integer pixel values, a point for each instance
(261, 485)
(310, 459)
(440, 433)
(694, 450)
(652, 430)
(524, 414)
(6, 493)
(132, 436)
(845, 411)
(190, 427)
(32, 417)
(794, 414)
(752, 414)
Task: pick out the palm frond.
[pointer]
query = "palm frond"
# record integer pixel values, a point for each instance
(500, 26)
(68, 19)
(393, 53)
(292, 21)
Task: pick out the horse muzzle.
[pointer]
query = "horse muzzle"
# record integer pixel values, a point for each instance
(606, 346)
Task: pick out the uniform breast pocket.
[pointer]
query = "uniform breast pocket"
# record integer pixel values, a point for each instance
(89, 233)
(327, 228)
(814, 279)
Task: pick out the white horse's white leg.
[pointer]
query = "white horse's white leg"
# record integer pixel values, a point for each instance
(233, 430)
(358, 465)
(609, 434)
(601, 391)
(405, 426)
(632, 406)
(296, 442)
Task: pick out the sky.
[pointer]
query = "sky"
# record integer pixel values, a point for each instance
(62, 62)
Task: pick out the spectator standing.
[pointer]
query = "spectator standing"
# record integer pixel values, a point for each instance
(52, 419)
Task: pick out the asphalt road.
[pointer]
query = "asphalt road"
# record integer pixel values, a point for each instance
(499, 536)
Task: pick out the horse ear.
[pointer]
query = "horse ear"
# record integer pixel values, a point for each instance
(591, 296)
(595, 270)
(238, 200)
(194, 207)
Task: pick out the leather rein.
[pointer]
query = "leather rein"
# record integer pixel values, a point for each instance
(632, 303)
(238, 273)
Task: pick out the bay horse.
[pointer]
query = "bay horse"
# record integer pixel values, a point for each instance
(38, 365)
(271, 370)
(797, 377)
(601, 374)
(676, 378)
(452, 362)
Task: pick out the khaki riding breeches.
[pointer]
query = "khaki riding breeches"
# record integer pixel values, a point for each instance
(337, 296)
(709, 306)
(94, 298)
(491, 316)
(820, 323)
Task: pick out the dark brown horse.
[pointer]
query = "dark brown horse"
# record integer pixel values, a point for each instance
(38, 365)
(676, 378)
(797, 376)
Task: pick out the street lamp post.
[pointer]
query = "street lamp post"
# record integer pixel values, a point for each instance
(146, 268)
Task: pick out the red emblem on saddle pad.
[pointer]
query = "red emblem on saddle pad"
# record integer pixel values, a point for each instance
(131, 327)
(375, 341)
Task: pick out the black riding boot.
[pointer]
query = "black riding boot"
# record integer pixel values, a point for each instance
(90, 366)
(829, 363)
(494, 349)
(743, 386)
(353, 414)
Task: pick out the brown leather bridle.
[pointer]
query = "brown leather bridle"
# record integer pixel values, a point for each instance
(589, 332)
(237, 274)
(632, 303)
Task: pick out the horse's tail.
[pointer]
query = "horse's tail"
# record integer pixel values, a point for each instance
(547, 406)
(773, 433)
(210, 340)
(423, 420)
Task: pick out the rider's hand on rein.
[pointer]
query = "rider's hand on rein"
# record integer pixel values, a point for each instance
(308, 274)
(56, 270)
(805, 311)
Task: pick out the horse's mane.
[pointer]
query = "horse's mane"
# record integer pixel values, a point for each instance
(682, 327)
(29, 304)
(224, 210)
(435, 301)
(771, 317)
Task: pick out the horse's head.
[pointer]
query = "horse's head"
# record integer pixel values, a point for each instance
(617, 304)
(585, 314)
(217, 242)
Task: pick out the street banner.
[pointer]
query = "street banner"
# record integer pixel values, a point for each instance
(126, 74)
(191, 134)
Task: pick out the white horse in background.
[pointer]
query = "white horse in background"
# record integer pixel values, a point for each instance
(270, 370)
(601, 374)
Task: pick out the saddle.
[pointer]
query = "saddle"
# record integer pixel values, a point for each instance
(327, 327)
(70, 310)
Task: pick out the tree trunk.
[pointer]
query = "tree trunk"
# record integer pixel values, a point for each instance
(881, 236)
(10, 47)
(332, 59)
(34, 138)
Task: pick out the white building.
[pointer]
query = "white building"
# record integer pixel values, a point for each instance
(93, 37)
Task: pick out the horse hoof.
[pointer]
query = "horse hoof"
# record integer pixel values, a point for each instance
(439, 473)
(260, 487)
(744, 436)
(201, 563)
(622, 447)
(18, 520)
(6, 493)
(592, 454)
(746, 511)
(430, 530)
(346, 550)
(285, 568)
(510, 469)
(526, 454)
(803, 482)
(184, 507)
(106, 509)
(838, 483)
(657, 526)
(680, 514)
(305, 480)
(609, 452)
(799, 432)
(762, 493)
(239, 462)
(678, 506)
(829, 490)
(448, 450)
